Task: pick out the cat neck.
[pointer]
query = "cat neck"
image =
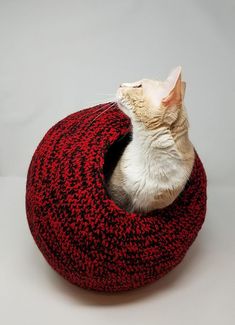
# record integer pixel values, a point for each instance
(152, 141)
(156, 147)
(163, 140)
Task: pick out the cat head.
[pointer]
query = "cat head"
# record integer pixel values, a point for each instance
(151, 102)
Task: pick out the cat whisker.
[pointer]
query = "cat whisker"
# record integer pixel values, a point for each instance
(100, 101)
(107, 99)
(88, 114)
(110, 107)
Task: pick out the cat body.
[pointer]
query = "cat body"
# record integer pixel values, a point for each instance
(155, 166)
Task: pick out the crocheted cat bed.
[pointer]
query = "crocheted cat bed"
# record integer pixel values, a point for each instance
(80, 231)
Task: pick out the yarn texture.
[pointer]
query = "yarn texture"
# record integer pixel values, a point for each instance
(81, 232)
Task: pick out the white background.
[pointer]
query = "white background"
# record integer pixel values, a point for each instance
(57, 57)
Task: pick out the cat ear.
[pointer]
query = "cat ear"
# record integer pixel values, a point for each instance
(175, 88)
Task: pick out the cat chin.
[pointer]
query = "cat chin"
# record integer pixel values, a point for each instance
(123, 108)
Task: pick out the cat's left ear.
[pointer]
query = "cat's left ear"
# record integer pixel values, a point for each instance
(175, 87)
(183, 88)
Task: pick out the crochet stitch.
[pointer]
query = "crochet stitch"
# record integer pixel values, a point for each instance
(81, 232)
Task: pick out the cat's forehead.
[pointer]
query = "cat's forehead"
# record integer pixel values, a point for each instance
(146, 83)
(152, 87)
(152, 82)
(154, 90)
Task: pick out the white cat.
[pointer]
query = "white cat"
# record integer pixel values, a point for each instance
(158, 161)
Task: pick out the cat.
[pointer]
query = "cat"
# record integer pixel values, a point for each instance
(155, 166)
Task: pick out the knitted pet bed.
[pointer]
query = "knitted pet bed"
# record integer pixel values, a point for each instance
(80, 231)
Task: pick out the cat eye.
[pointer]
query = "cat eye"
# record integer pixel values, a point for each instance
(138, 86)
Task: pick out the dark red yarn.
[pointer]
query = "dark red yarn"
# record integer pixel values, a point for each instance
(80, 231)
